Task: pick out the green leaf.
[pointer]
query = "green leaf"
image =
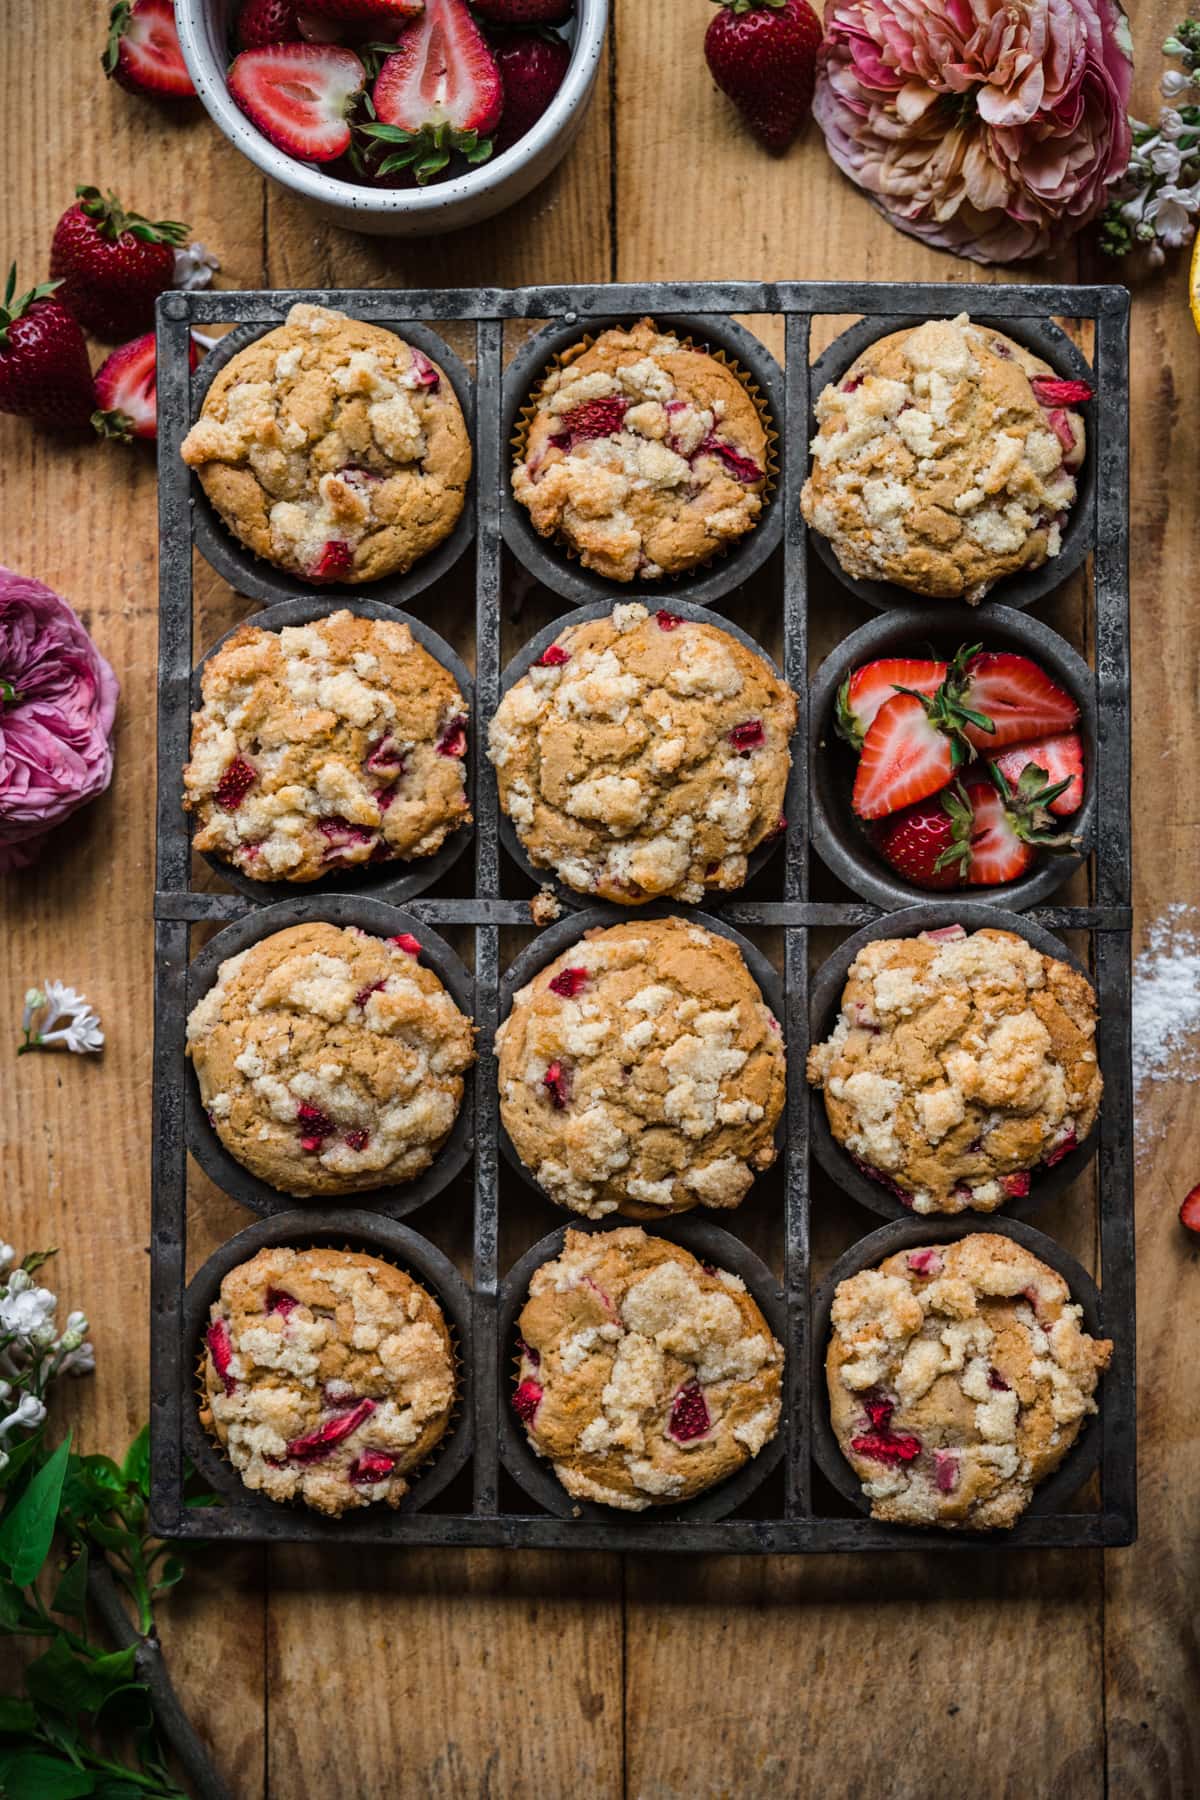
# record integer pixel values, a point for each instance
(27, 1530)
(111, 1787)
(71, 1684)
(127, 1708)
(28, 1775)
(136, 1467)
(18, 1456)
(70, 1596)
(15, 1715)
(14, 1609)
(173, 1569)
(36, 1258)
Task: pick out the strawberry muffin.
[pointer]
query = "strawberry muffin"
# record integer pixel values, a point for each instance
(324, 746)
(643, 756)
(959, 1377)
(328, 1377)
(643, 455)
(945, 459)
(959, 1063)
(645, 1376)
(333, 449)
(643, 1072)
(330, 1061)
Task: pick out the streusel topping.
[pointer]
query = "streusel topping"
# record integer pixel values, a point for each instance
(647, 456)
(326, 745)
(643, 756)
(330, 1061)
(333, 448)
(959, 1377)
(936, 464)
(644, 1376)
(328, 1377)
(643, 1072)
(958, 1063)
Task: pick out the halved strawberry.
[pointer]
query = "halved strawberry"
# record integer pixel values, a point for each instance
(864, 691)
(127, 390)
(1016, 695)
(1189, 1212)
(143, 54)
(905, 757)
(1011, 824)
(386, 13)
(1059, 759)
(929, 843)
(441, 93)
(299, 96)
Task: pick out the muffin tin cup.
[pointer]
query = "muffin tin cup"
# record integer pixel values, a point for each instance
(560, 936)
(393, 1243)
(840, 837)
(396, 881)
(825, 1004)
(549, 559)
(1059, 1487)
(794, 1512)
(601, 609)
(1045, 339)
(265, 581)
(535, 1475)
(379, 919)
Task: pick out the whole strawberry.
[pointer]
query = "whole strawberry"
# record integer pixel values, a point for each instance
(763, 54)
(532, 69)
(112, 264)
(524, 12)
(44, 368)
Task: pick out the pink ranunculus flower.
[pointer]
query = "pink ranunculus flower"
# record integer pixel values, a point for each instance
(58, 698)
(986, 127)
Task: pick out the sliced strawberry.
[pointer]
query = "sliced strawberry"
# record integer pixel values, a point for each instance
(864, 691)
(1059, 759)
(128, 392)
(1011, 824)
(385, 13)
(905, 757)
(263, 22)
(299, 96)
(928, 843)
(1189, 1212)
(1049, 391)
(439, 94)
(1017, 696)
(315, 1445)
(220, 1348)
(143, 53)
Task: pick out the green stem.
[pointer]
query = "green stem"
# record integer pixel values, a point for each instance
(9, 695)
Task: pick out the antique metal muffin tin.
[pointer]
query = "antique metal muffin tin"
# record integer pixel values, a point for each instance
(782, 1502)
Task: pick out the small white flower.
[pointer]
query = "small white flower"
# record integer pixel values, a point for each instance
(81, 1361)
(77, 1322)
(1175, 83)
(195, 267)
(7, 1255)
(29, 1414)
(1171, 210)
(19, 1281)
(1166, 159)
(43, 1337)
(1170, 123)
(79, 1030)
(27, 1310)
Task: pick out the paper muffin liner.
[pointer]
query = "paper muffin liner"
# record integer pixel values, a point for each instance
(412, 1475)
(562, 359)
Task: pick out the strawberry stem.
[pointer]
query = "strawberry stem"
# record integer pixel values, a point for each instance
(112, 220)
(12, 310)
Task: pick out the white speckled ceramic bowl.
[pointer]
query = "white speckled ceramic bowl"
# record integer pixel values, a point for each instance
(399, 212)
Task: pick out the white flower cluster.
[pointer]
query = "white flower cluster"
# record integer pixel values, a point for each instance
(57, 1018)
(1158, 198)
(32, 1349)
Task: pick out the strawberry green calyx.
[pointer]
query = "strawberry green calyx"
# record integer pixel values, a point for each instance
(957, 807)
(13, 309)
(112, 220)
(428, 151)
(118, 25)
(116, 426)
(844, 721)
(946, 709)
(1026, 807)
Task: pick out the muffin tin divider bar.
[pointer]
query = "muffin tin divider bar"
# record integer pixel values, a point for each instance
(1111, 580)
(1117, 1282)
(797, 1281)
(170, 1384)
(795, 602)
(175, 588)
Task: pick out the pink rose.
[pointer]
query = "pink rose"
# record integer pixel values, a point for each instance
(58, 698)
(985, 127)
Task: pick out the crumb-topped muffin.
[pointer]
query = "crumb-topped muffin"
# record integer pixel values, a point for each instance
(945, 459)
(959, 1377)
(959, 1062)
(332, 448)
(645, 455)
(328, 1377)
(329, 1060)
(643, 1072)
(326, 745)
(643, 756)
(645, 1376)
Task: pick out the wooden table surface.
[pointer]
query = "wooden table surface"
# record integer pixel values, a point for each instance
(438, 1673)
